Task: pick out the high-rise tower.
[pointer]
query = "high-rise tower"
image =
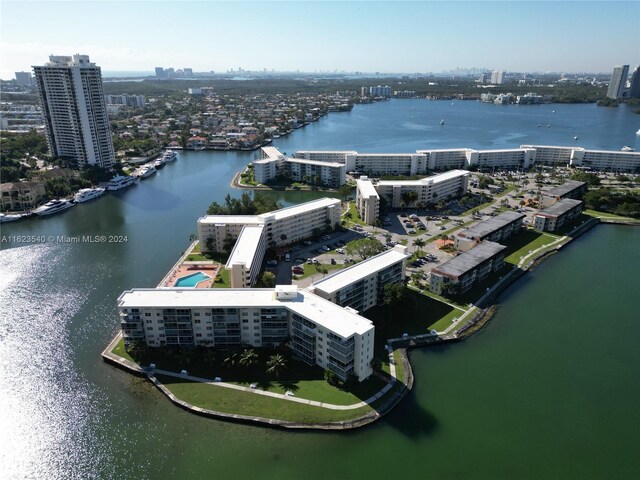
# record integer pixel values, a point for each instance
(634, 90)
(74, 110)
(618, 81)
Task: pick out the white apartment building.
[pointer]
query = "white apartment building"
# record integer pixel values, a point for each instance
(245, 260)
(460, 273)
(451, 184)
(552, 218)
(552, 155)
(74, 110)
(135, 101)
(495, 229)
(445, 159)
(331, 174)
(608, 160)
(379, 164)
(281, 227)
(367, 200)
(503, 159)
(337, 156)
(320, 332)
(361, 286)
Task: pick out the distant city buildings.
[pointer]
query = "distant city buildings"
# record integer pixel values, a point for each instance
(25, 79)
(167, 73)
(74, 110)
(497, 77)
(618, 81)
(134, 101)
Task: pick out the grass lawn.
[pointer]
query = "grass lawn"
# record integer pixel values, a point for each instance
(596, 213)
(195, 255)
(355, 218)
(520, 244)
(121, 352)
(310, 269)
(222, 279)
(417, 314)
(231, 401)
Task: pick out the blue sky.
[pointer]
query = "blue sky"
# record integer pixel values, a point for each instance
(312, 36)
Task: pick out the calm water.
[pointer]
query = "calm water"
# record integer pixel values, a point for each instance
(549, 390)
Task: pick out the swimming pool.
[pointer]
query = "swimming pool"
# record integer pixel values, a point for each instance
(191, 280)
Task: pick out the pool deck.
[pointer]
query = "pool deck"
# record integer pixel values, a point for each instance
(183, 268)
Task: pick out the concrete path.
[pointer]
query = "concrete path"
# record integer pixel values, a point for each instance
(330, 406)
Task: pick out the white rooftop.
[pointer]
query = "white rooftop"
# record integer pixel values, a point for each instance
(300, 209)
(271, 151)
(232, 219)
(357, 272)
(315, 162)
(246, 246)
(366, 188)
(434, 179)
(318, 310)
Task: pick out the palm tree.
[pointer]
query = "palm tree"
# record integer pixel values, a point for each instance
(231, 360)
(276, 365)
(248, 358)
(419, 243)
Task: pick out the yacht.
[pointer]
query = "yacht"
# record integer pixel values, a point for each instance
(54, 206)
(169, 156)
(146, 170)
(9, 217)
(441, 122)
(627, 148)
(159, 163)
(120, 182)
(638, 132)
(86, 194)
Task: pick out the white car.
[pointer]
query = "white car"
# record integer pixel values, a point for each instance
(326, 249)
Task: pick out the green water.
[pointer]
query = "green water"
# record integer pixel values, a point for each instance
(548, 390)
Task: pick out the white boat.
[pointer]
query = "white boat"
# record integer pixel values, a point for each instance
(169, 156)
(441, 122)
(146, 170)
(86, 194)
(159, 163)
(627, 148)
(638, 132)
(9, 217)
(121, 181)
(54, 206)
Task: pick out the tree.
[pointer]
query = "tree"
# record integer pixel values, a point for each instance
(394, 294)
(276, 365)
(376, 363)
(365, 247)
(267, 280)
(231, 360)
(409, 197)
(419, 243)
(345, 191)
(248, 358)
(330, 377)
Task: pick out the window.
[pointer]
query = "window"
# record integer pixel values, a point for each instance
(147, 314)
(197, 320)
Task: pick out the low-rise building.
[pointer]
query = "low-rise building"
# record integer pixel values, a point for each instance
(282, 227)
(319, 331)
(460, 273)
(552, 218)
(495, 229)
(361, 286)
(330, 174)
(245, 260)
(569, 189)
(18, 196)
(197, 143)
(429, 190)
(367, 201)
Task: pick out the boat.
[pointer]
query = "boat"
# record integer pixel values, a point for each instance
(9, 217)
(441, 122)
(638, 132)
(159, 163)
(145, 171)
(54, 206)
(169, 156)
(627, 148)
(575, 137)
(86, 194)
(121, 181)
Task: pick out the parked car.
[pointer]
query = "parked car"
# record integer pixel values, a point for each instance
(272, 263)
(326, 249)
(287, 257)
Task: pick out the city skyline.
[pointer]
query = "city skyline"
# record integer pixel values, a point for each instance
(326, 36)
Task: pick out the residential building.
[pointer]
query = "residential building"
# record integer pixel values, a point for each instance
(634, 88)
(282, 227)
(135, 101)
(315, 172)
(552, 218)
(160, 73)
(380, 164)
(429, 190)
(503, 159)
(460, 273)
(24, 79)
(245, 260)
(19, 196)
(197, 143)
(74, 110)
(445, 159)
(497, 77)
(380, 91)
(319, 331)
(361, 286)
(367, 201)
(618, 81)
(338, 156)
(569, 189)
(495, 229)
(551, 155)
(607, 160)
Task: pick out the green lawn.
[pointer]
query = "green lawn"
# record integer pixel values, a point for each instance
(121, 352)
(355, 218)
(596, 213)
(222, 279)
(231, 401)
(417, 314)
(310, 269)
(520, 244)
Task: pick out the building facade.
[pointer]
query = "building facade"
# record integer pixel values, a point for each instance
(245, 260)
(319, 332)
(460, 273)
(134, 101)
(429, 190)
(74, 110)
(367, 201)
(494, 229)
(19, 196)
(569, 189)
(557, 215)
(618, 81)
